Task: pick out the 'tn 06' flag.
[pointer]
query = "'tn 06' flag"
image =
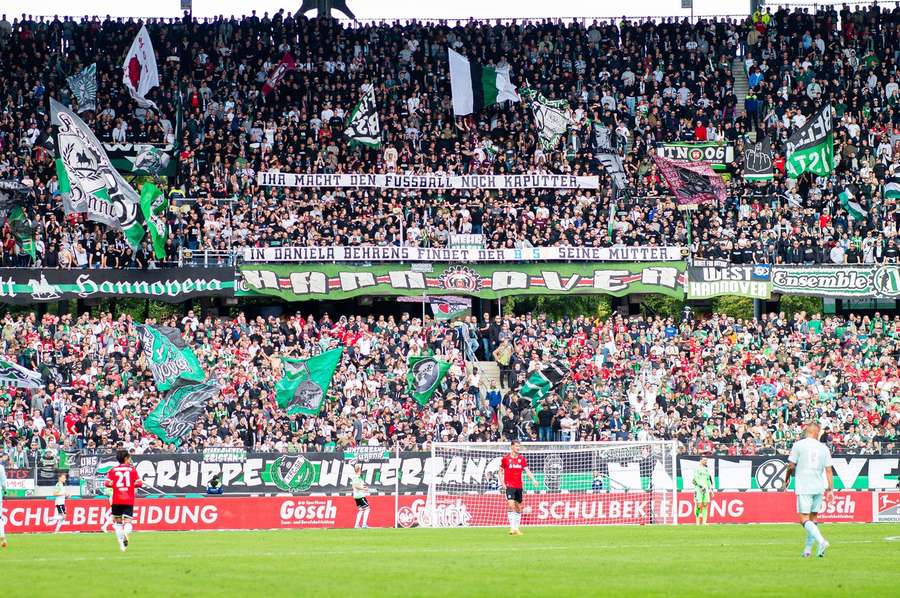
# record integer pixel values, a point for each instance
(287, 64)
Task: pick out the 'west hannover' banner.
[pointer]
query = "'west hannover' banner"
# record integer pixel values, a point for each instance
(864, 282)
(718, 155)
(744, 281)
(429, 181)
(25, 286)
(315, 281)
(391, 253)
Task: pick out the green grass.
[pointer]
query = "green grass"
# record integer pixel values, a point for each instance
(758, 560)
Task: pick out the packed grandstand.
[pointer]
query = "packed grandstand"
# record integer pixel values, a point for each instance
(714, 382)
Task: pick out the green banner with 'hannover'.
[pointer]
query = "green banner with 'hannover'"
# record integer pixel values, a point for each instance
(300, 282)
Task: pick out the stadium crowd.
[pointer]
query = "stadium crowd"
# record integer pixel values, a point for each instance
(716, 384)
(650, 81)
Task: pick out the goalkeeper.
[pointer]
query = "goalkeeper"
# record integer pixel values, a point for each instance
(703, 486)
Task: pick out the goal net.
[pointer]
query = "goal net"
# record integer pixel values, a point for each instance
(586, 483)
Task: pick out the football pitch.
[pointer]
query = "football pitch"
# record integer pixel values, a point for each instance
(747, 560)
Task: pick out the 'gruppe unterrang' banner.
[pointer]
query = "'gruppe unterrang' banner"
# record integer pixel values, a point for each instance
(709, 281)
(428, 181)
(318, 281)
(876, 281)
(468, 255)
(32, 285)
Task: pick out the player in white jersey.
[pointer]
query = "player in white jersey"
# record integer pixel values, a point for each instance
(810, 465)
(59, 500)
(2, 516)
(360, 495)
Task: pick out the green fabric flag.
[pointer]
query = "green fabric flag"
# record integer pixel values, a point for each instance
(305, 382)
(175, 416)
(424, 376)
(362, 124)
(169, 357)
(892, 187)
(850, 202)
(552, 118)
(15, 376)
(540, 383)
(154, 205)
(23, 230)
(811, 148)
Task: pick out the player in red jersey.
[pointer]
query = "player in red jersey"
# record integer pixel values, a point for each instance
(123, 479)
(511, 468)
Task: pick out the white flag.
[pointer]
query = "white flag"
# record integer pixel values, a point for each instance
(139, 73)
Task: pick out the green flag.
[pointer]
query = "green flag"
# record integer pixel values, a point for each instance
(154, 205)
(850, 201)
(540, 383)
(16, 376)
(892, 187)
(305, 382)
(169, 357)
(811, 148)
(23, 230)
(424, 376)
(175, 416)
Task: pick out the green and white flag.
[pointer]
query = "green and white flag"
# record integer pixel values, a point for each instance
(14, 375)
(450, 308)
(552, 118)
(474, 87)
(23, 230)
(170, 359)
(154, 205)
(424, 376)
(305, 382)
(811, 148)
(892, 187)
(363, 127)
(84, 88)
(88, 182)
(850, 201)
(175, 416)
(540, 383)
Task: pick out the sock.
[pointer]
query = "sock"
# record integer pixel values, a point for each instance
(128, 529)
(813, 530)
(809, 541)
(512, 519)
(358, 518)
(366, 517)
(117, 527)
(517, 519)
(59, 522)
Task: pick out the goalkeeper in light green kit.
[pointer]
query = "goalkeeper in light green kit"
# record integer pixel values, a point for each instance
(703, 487)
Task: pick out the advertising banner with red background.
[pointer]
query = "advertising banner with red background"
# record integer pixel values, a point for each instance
(296, 512)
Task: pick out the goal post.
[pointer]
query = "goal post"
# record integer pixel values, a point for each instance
(578, 483)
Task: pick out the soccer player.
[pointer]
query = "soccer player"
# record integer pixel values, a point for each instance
(360, 494)
(511, 468)
(3, 543)
(123, 479)
(810, 465)
(59, 495)
(703, 484)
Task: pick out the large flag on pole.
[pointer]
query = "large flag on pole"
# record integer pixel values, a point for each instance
(175, 415)
(424, 376)
(363, 127)
(12, 374)
(139, 72)
(475, 87)
(552, 118)
(850, 202)
(287, 64)
(540, 383)
(609, 157)
(88, 182)
(305, 382)
(84, 88)
(692, 183)
(811, 147)
(169, 357)
(154, 205)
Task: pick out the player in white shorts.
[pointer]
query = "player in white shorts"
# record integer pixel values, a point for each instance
(810, 465)
(2, 516)
(59, 500)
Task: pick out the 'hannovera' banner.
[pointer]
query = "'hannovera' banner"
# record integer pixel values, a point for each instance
(25, 286)
(302, 282)
(705, 282)
(392, 253)
(429, 181)
(719, 155)
(865, 282)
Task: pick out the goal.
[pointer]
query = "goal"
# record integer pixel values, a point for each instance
(584, 483)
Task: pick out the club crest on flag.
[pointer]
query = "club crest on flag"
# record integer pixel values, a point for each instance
(425, 374)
